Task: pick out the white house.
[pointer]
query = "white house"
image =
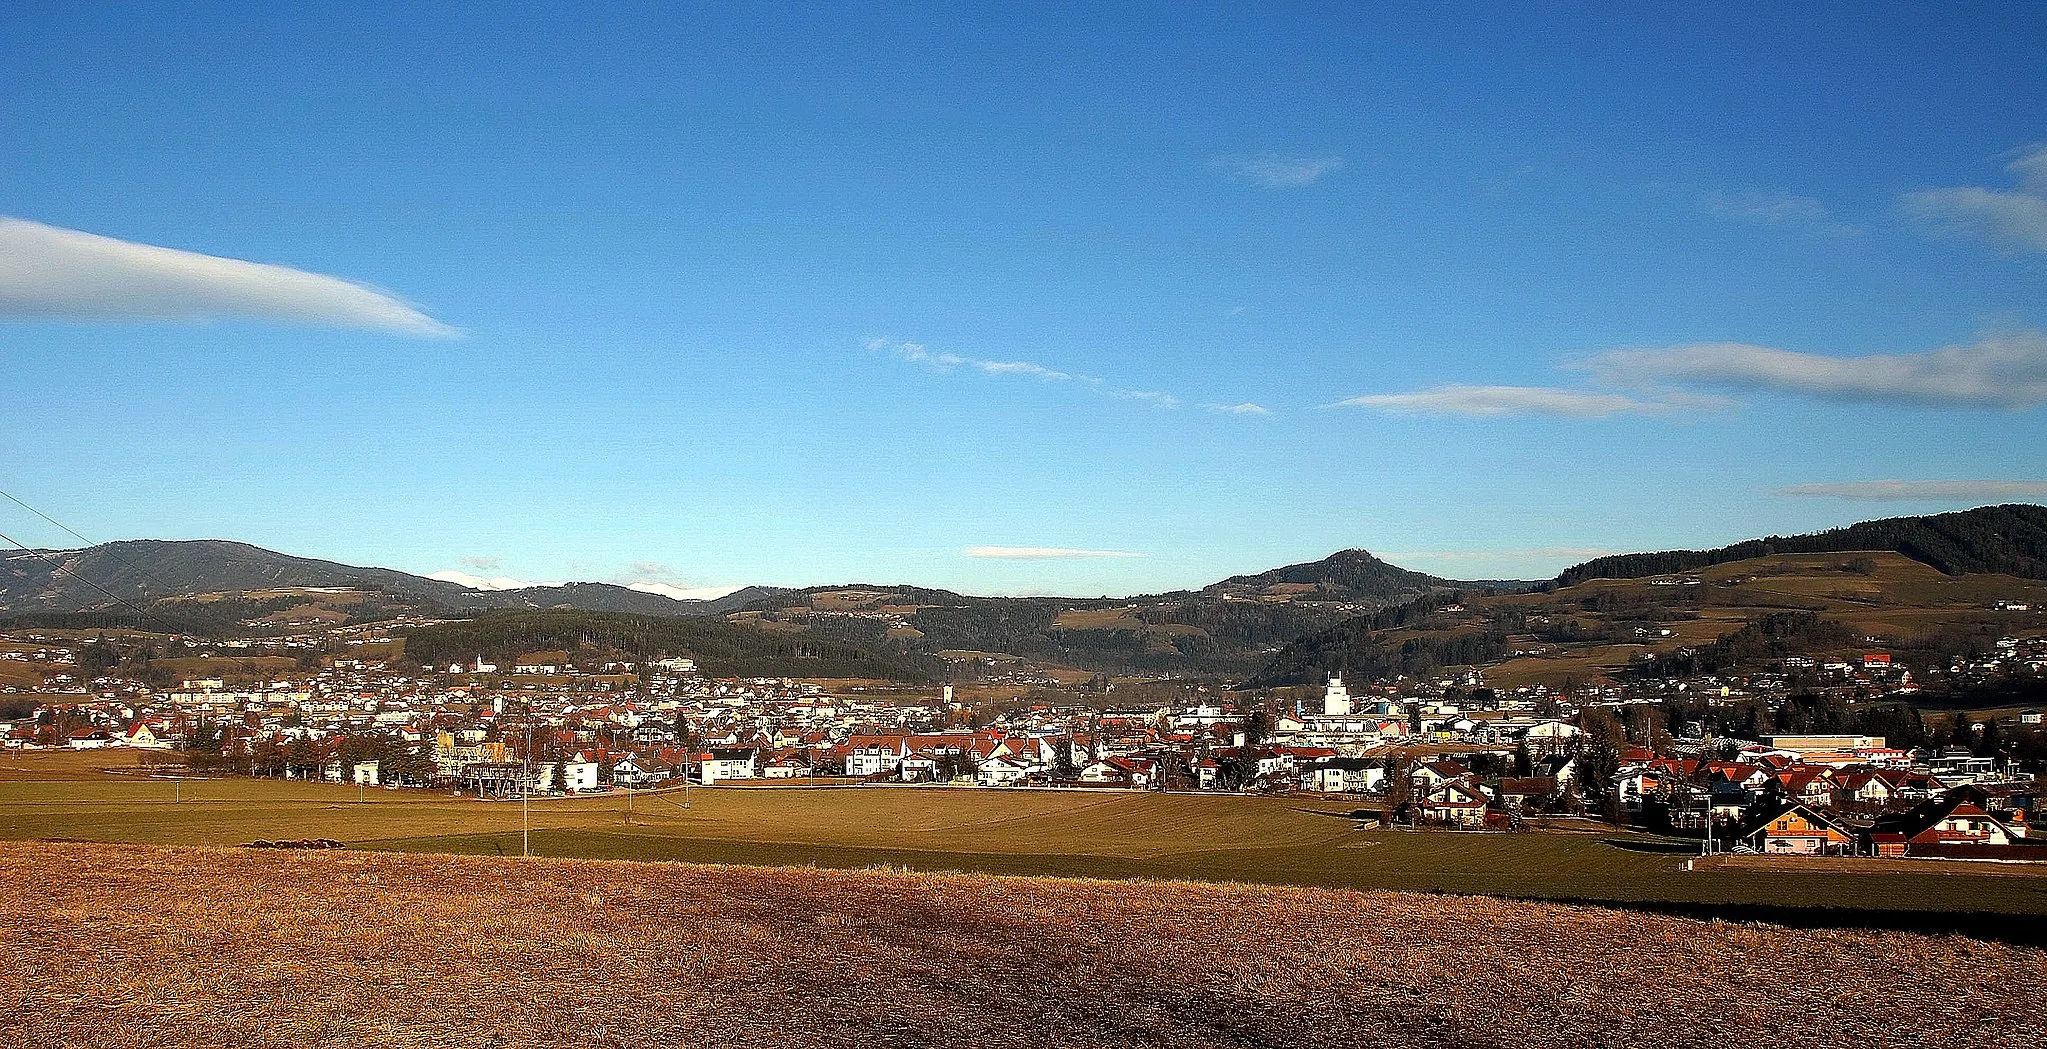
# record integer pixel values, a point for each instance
(89, 739)
(635, 771)
(723, 763)
(579, 775)
(1001, 771)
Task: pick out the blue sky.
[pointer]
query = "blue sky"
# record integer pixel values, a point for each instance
(697, 298)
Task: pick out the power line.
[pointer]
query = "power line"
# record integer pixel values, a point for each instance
(57, 568)
(46, 517)
(143, 615)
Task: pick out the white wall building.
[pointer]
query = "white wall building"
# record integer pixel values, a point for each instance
(1336, 699)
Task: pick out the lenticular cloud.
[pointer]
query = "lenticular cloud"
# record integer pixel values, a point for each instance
(51, 273)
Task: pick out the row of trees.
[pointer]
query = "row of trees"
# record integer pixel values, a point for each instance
(216, 747)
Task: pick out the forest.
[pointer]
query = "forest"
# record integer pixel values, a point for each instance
(2010, 540)
(721, 649)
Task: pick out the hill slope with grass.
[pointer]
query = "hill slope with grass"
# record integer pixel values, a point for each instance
(1831, 604)
(2006, 540)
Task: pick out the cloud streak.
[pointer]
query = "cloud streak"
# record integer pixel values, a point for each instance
(2014, 219)
(2004, 371)
(1919, 491)
(1276, 170)
(1041, 553)
(1487, 402)
(917, 353)
(50, 273)
(1775, 209)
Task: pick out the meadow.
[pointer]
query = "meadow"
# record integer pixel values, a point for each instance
(171, 947)
(1305, 841)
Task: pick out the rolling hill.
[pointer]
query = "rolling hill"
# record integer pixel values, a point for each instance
(1226, 628)
(1838, 603)
(214, 586)
(1349, 612)
(2007, 540)
(144, 571)
(722, 649)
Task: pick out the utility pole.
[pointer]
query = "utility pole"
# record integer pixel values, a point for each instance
(526, 787)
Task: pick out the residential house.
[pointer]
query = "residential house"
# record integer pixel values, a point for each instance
(723, 763)
(1793, 828)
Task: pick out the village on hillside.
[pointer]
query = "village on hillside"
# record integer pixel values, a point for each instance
(1448, 752)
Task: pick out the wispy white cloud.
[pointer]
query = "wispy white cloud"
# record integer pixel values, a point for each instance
(1494, 401)
(917, 353)
(482, 563)
(51, 273)
(2003, 371)
(1245, 408)
(1278, 170)
(1775, 209)
(2015, 219)
(1041, 553)
(1920, 491)
(682, 593)
(477, 582)
(1163, 400)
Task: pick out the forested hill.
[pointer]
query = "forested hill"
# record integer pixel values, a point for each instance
(1347, 575)
(721, 649)
(120, 576)
(2010, 540)
(1445, 635)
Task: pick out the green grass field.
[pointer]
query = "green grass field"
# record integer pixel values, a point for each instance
(1298, 841)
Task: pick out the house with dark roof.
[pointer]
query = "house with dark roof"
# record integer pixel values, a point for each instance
(1794, 828)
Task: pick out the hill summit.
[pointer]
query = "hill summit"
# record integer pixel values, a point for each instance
(1347, 575)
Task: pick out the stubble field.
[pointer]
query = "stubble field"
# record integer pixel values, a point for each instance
(105, 945)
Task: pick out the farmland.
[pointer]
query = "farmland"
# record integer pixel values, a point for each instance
(1293, 841)
(255, 948)
(1877, 593)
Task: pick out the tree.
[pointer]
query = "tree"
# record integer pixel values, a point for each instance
(1990, 742)
(1958, 732)
(1063, 765)
(560, 783)
(1257, 725)
(1898, 723)
(1399, 770)
(98, 657)
(1599, 759)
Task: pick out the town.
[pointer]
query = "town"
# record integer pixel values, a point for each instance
(1448, 752)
